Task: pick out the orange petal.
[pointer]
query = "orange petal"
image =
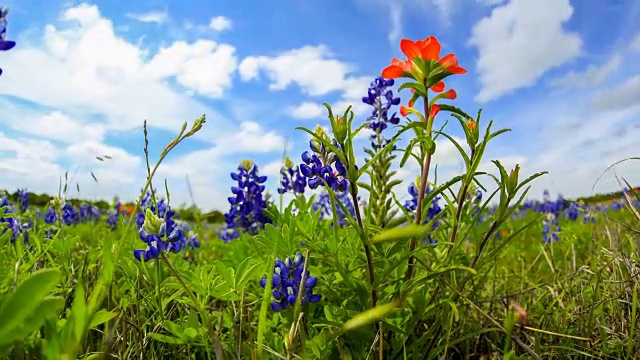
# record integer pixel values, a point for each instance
(431, 48)
(404, 110)
(450, 64)
(456, 70)
(435, 109)
(450, 94)
(392, 72)
(411, 103)
(410, 49)
(438, 87)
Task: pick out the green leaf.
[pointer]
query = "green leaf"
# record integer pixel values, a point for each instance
(419, 88)
(402, 233)
(166, 339)
(369, 316)
(78, 313)
(26, 299)
(455, 110)
(101, 317)
(48, 308)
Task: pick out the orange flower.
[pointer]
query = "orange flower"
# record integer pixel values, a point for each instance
(404, 110)
(427, 49)
(450, 94)
(126, 209)
(396, 69)
(471, 124)
(450, 65)
(435, 109)
(438, 87)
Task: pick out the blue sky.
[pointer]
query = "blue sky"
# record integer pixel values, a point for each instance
(563, 75)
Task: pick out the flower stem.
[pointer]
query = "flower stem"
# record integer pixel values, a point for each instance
(196, 303)
(367, 248)
(421, 191)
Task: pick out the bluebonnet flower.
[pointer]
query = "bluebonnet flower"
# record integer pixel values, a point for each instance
(50, 216)
(573, 211)
(4, 44)
(292, 179)
(191, 241)
(163, 210)
(113, 216)
(69, 214)
(88, 212)
(22, 197)
(550, 228)
(434, 209)
(159, 235)
(318, 165)
(381, 99)
(17, 228)
(287, 276)
(247, 203)
(588, 217)
(323, 204)
(617, 205)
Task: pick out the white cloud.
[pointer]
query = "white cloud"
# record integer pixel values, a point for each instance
(519, 42)
(315, 71)
(158, 17)
(60, 127)
(251, 138)
(82, 67)
(593, 75)
(310, 67)
(220, 23)
(272, 169)
(86, 82)
(395, 14)
(623, 96)
(307, 110)
(204, 66)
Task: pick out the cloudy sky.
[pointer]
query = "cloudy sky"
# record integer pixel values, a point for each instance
(563, 75)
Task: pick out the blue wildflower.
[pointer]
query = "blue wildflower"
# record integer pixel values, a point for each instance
(4, 44)
(381, 99)
(287, 278)
(22, 197)
(159, 235)
(434, 209)
(292, 179)
(319, 165)
(550, 228)
(248, 203)
(323, 204)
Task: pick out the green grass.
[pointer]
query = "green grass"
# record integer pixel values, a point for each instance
(580, 296)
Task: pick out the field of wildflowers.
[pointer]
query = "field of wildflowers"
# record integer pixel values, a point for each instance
(466, 268)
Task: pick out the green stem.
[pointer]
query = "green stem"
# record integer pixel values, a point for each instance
(196, 303)
(421, 191)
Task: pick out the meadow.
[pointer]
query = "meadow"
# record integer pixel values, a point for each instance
(466, 268)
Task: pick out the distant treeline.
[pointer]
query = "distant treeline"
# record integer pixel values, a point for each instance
(598, 198)
(185, 213)
(215, 217)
